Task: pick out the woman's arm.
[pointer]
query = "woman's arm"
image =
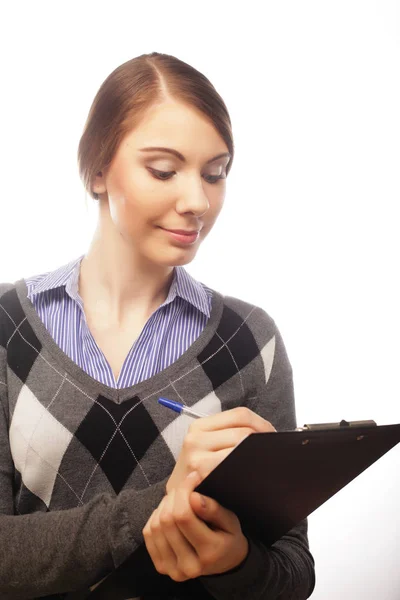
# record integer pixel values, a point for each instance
(285, 570)
(47, 553)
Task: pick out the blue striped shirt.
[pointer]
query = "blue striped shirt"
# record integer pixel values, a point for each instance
(169, 331)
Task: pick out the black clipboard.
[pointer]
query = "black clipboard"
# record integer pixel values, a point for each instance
(285, 476)
(272, 481)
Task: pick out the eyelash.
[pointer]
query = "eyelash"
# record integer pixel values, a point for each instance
(215, 177)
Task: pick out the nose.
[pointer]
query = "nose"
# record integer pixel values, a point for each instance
(193, 199)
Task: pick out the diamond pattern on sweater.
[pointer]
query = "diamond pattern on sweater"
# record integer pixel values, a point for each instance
(17, 328)
(228, 353)
(117, 436)
(38, 443)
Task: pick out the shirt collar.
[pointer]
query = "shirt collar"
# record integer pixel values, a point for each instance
(183, 285)
(187, 288)
(64, 275)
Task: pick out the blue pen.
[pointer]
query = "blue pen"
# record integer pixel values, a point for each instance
(181, 408)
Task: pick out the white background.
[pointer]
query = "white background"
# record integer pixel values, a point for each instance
(309, 230)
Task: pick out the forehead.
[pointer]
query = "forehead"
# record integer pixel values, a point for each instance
(176, 125)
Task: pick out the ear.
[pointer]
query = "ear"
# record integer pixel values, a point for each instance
(99, 184)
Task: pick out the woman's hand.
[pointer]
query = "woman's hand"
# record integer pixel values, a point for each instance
(182, 545)
(210, 439)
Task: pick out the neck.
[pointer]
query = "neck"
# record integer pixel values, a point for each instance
(116, 283)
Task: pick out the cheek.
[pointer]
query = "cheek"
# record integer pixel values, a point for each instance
(145, 198)
(210, 218)
(215, 207)
(134, 207)
(131, 188)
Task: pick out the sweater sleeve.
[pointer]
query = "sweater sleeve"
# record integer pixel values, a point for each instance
(284, 570)
(53, 552)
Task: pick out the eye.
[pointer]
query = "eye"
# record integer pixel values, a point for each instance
(215, 178)
(165, 175)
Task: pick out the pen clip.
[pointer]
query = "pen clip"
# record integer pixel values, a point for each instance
(342, 425)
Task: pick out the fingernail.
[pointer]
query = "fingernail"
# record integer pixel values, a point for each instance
(193, 475)
(203, 501)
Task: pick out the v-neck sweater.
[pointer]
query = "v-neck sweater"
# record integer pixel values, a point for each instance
(83, 465)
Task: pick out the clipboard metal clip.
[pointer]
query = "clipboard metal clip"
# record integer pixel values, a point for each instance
(342, 424)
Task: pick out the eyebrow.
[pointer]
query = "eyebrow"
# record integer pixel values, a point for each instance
(179, 155)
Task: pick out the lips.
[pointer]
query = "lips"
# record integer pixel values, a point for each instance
(183, 236)
(183, 231)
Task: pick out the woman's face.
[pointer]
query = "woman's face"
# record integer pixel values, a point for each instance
(151, 192)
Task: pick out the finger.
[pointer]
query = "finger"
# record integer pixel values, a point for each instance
(210, 511)
(154, 553)
(190, 482)
(193, 528)
(205, 462)
(186, 564)
(241, 416)
(187, 560)
(167, 562)
(216, 440)
(148, 537)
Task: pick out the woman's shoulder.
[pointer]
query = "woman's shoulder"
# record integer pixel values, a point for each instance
(5, 287)
(254, 315)
(5, 308)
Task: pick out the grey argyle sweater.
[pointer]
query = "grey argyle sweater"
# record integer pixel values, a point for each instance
(83, 465)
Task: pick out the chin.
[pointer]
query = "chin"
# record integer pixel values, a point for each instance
(181, 258)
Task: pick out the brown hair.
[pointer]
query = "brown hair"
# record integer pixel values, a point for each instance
(128, 92)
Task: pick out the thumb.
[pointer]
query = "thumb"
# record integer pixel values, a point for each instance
(210, 511)
(191, 481)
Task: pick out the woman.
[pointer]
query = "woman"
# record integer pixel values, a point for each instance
(92, 468)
